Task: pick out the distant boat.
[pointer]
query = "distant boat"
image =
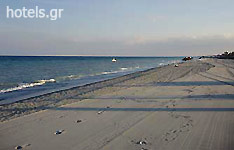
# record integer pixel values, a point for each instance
(114, 60)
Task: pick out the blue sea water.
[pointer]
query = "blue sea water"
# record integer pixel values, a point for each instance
(28, 76)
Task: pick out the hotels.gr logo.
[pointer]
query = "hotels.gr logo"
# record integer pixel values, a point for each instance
(53, 14)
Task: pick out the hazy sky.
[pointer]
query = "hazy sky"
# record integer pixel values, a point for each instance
(120, 27)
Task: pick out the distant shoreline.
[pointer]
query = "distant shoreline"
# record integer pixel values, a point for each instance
(88, 56)
(225, 55)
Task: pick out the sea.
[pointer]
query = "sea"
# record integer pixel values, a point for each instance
(22, 77)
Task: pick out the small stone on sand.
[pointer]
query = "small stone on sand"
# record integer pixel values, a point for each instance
(142, 142)
(79, 121)
(18, 147)
(59, 132)
(100, 112)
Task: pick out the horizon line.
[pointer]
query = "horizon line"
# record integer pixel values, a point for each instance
(102, 55)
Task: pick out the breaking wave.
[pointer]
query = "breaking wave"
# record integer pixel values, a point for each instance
(27, 85)
(120, 70)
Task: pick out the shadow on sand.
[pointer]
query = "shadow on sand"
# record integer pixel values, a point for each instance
(184, 109)
(19, 110)
(188, 83)
(139, 109)
(190, 97)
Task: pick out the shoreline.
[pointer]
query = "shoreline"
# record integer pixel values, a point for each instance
(44, 93)
(68, 94)
(88, 84)
(19, 86)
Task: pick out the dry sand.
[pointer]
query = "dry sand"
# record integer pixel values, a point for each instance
(188, 107)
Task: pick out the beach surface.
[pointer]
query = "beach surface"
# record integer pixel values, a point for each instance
(187, 107)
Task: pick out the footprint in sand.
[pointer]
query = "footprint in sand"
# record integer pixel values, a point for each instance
(140, 142)
(61, 116)
(186, 125)
(188, 90)
(143, 143)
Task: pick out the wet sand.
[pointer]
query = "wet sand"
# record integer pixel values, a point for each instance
(168, 108)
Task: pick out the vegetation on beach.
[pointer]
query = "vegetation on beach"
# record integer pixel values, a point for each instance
(225, 55)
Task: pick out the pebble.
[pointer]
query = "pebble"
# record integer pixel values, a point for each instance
(142, 142)
(18, 147)
(23, 146)
(59, 132)
(78, 121)
(100, 112)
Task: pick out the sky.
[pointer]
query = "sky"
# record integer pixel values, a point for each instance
(120, 28)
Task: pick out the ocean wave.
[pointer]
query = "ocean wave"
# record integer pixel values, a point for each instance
(123, 69)
(69, 77)
(161, 64)
(174, 61)
(109, 72)
(130, 68)
(27, 85)
(168, 62)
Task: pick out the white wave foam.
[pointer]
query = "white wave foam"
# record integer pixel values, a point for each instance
(27, 85)
(121, 70)
(161, 64)
(69, 77)
(110, 72)
(169, 62)
(124, 69)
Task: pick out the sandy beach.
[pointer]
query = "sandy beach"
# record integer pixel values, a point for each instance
(188, 107)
